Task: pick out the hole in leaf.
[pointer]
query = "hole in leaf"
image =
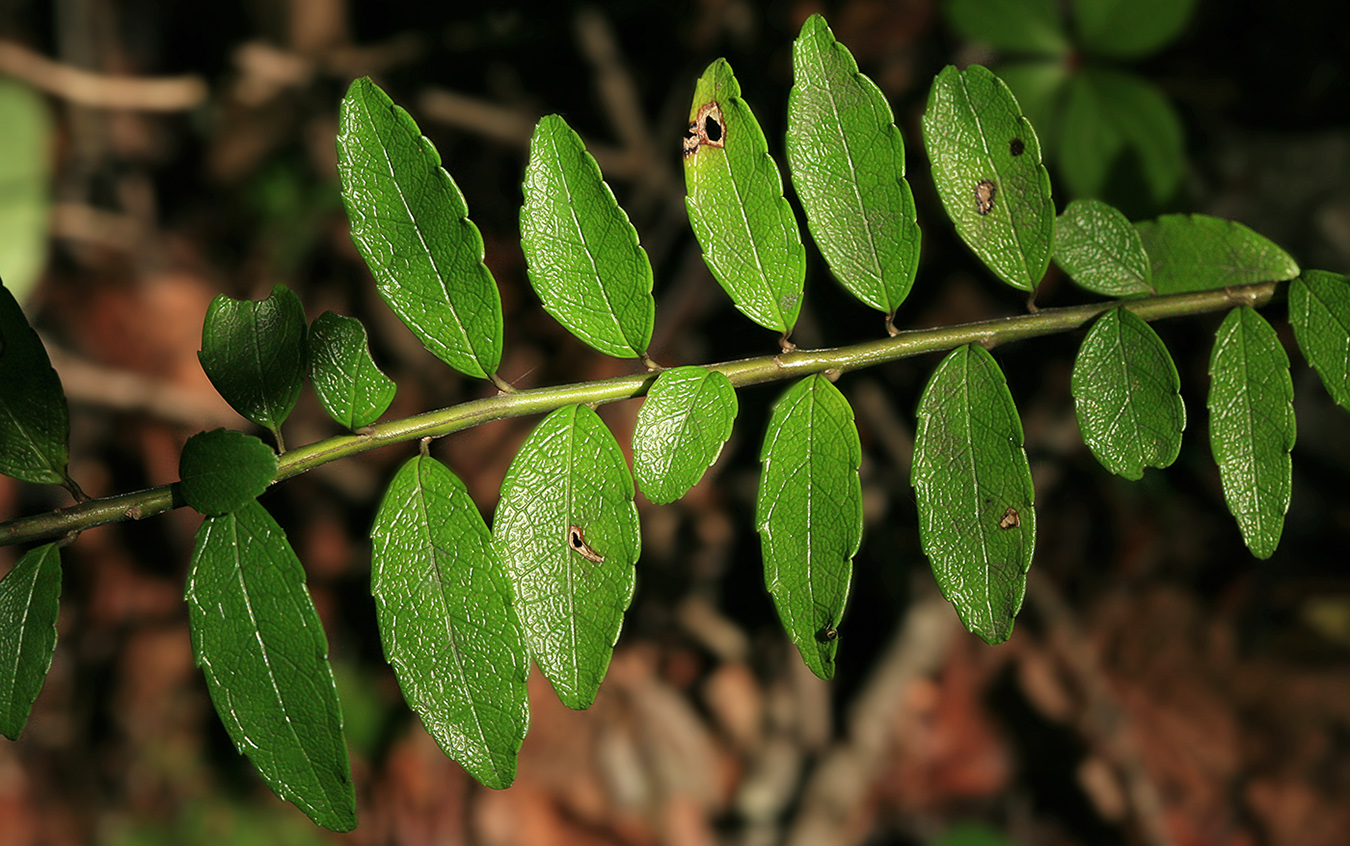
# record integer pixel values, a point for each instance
(984, 196)
(1017, 147)
(706, 129)
(577, 540)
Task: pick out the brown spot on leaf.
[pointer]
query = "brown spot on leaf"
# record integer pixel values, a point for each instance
(1010, 520)
(707, 129)
(984, 196)
(577, 540)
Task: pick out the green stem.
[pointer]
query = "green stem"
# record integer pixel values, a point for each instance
(751, 371)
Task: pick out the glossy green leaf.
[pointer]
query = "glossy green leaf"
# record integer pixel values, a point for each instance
(1017, 26)
(410, 223)
(34, 418)
(747, 230)
(583, 255)
(1101, 250)
(809, 515)
(973, 485)
(1128, 395)
(1129, 28)
(567, 532)
(259, 642)
(25, 186)
(254, 353)
(681, 427)
(351, 387)
(447, 622)
(1251, 426)
(222, 471)
(30, 596)
(1196, 252)
(848, 166)
(1319, 309)
(988, 171)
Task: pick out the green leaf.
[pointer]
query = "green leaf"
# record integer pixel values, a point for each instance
(583, 255)
(254, 353)
(1251, 426)
(1128, 395)
(567, 532)
(988, 171)
(976, 520)
(1196, 252)
(1319, 309)
(222, 471)
(351, 387)
(447, 622)
(809, 515)
(25, 177)
(1101, 250)
(1129, 28)
(259, 642)
(747, 230)
(848, 166)
(30, 596)
(410, 223)
(1019, 26)
(681, 427)
(34, 418)
(1038, 86)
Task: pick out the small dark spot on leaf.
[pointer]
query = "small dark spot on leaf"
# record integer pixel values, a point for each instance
(984, 196)
(577, 540)
(1010, 519)
(1017, 147)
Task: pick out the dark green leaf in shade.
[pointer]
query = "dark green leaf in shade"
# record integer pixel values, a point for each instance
(1129, 28)
(259, 642)
(351, 387)
(1015, 26)
(1319, 309)
(1251, 426)
(809, 515)
(977, 523)
(34, 418)
(582, 252)
(1127, 394)
(447, 622)
(988, 171)
(410, 223)
(25, 185)
(681, 427)
(747, 230)
(254, 353)
(30, 596)
(1101, 250)
(222, 471)
(567, 533)
(848, 166)
(1196, 252)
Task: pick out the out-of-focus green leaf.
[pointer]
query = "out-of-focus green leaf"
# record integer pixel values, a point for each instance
(973, 485)
(30, 596)
(747, 230)
(681, 427)
(809, 515)
(1128, 395)
(446, 620)
(351, 387)
(848, 166)
(259, 642)
(583, 255)
(1319, 309)
(34, 418)
(988, 171)
(567, 532)
(1038, 86)
(1018, 26)
(1101, 250)
(1196, 252)
(1129, 28)
(25, 174)
(411, 224)
(254, 353)
(1251, 426)
(222, 471)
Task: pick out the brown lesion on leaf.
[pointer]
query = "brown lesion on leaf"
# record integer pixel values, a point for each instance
(576, 539)
(1010, 520)
(985, 191)
(706, 129)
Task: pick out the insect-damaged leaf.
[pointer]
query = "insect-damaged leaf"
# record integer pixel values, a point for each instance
(747, 230)
(1101, 250)
(221, 471)
(1196, 252)
(351, 387)
(1251, 426)
(447, 622)
(988, 171)
(30, 596)
(34, 418)
(681, 427)
(976, 520)
(411, 225)
(259, 642)
(809, 515)
(1319, 309)
(848, 166)
(584, 259)
(567, 533)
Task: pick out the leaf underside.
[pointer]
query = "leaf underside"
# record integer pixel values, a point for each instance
(680, 430)
(222, 470)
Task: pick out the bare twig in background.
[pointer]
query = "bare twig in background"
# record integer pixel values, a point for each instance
(151, 94)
